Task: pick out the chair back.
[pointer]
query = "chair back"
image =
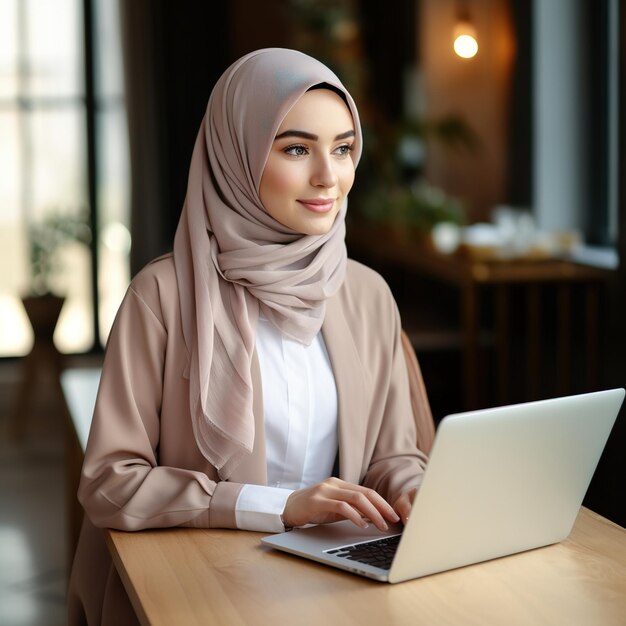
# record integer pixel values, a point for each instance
(424, 422)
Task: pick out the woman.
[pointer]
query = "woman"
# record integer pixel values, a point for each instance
(255, 378)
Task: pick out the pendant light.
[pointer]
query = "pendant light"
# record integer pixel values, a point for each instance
(465, 40)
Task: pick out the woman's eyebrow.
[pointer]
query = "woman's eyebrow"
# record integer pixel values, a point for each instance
(348, 133)
(297, 133)
(304, 135)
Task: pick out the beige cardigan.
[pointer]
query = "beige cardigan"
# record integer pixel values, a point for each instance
(142, 468)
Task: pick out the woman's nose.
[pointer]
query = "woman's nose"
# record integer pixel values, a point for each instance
(324, 174)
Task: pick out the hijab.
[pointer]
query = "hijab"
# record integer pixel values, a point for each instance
(233, 260)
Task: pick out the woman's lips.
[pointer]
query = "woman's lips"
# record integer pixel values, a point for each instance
(319, 205)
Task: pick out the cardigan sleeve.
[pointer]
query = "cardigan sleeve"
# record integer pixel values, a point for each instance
(122, 484)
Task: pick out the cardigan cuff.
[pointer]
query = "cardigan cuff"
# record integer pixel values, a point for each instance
(221, 511)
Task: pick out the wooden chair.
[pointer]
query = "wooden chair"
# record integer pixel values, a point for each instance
(419, 399)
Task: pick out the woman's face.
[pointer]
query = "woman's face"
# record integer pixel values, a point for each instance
(309, 170)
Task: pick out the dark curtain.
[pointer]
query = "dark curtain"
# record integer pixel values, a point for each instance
(173, 54)
(606, 494)
(145, 142)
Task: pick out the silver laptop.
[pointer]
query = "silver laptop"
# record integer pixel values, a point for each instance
(498, 481)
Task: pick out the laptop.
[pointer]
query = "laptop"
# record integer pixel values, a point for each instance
(498, 481)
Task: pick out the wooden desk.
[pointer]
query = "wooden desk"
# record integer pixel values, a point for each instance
(192, 576)
(470, 275)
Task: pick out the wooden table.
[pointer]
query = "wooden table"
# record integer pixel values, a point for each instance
(470, 274)
(193, 576)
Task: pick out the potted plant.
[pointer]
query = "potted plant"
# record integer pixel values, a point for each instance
(411, 210)
(46, 239)
(394, 194)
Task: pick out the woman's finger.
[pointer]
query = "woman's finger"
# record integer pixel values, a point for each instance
(335, 499)
(404, 504)
(381, 505)
(366, 505)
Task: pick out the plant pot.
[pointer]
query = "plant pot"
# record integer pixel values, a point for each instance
(43, 313)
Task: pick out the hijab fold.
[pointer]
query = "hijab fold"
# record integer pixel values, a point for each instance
(233, 260)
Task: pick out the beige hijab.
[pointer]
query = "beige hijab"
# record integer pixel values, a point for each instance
(232, 258)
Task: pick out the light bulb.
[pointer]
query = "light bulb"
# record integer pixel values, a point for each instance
(465, 44)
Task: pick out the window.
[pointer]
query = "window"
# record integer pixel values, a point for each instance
(113, 167)
(44, 148)
(576, 118)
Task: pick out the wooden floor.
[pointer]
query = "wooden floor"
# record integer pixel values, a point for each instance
(33, 570)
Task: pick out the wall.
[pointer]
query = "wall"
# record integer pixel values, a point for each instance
(477, 89)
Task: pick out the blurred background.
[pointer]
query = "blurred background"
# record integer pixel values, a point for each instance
(490, 196)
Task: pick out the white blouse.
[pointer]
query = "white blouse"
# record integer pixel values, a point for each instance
(300, 415)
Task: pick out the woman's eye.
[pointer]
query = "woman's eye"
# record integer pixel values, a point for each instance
(297, 151)
(343, 150)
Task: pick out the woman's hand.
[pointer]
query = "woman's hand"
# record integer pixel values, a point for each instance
(402, 506)
(333, 500)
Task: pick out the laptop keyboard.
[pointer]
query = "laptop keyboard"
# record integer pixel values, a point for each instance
(378, 552)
